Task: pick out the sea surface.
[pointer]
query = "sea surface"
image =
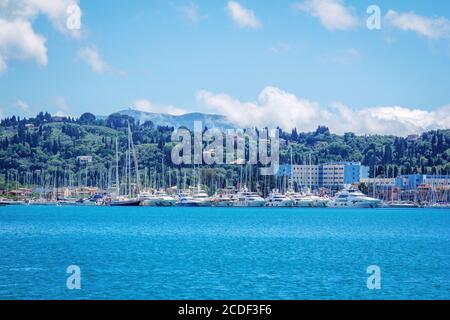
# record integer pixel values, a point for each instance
(223, 253)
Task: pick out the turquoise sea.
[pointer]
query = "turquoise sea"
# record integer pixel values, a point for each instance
(223, 253)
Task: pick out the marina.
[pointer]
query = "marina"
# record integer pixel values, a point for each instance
(347, 198)
(126, 180)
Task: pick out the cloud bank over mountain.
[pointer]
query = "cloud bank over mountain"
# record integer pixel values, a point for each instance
(276, 107)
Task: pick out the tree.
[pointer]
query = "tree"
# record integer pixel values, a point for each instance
(322, 130)
(87, 118)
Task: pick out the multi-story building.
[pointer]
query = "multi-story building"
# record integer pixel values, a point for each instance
(413, 181)
(342, 173)
(330, 175)
(437, 180)
(305, 175)
(384, 182)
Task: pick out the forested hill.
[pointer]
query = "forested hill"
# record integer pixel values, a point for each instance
(54, 143)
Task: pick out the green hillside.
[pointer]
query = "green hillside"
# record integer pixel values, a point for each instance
(50, 144)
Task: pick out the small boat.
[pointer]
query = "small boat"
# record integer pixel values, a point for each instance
(124, 202)
(12, 203)
(402, 204)
(92, 201)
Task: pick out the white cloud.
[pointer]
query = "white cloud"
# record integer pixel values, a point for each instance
(29, 10)
(191, 12)
(3, 65)
(275, 107)
(346, 57)
(61, 103)
(432, 28)
(92, 58)
(245, 18)
(332, 14)
(280, 47)
(387, 120)
(18, 39)
(23, 106)
(62, 106)
(146, 106)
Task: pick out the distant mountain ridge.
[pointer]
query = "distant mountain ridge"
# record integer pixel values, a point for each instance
(186, 120)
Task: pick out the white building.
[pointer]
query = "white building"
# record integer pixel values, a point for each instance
(379, 181)
(437, 180)
(332, 175)
(328, 175)
(305, 175)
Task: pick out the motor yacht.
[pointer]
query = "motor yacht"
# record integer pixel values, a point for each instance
(148, 199)
(164, 200)
(352, 198)
(276, 199)
(199, 199)
(249, 199)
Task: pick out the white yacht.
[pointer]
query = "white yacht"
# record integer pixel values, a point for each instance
(183, 197)
(164, 200)
(352, 198)
(277, 199)
(319, 202)
(224, 200)
(199, 199)
(148, 199)
(300, 199)
(249, 199)
(308, 200)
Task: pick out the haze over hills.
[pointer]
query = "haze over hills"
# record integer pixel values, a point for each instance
(186, 120)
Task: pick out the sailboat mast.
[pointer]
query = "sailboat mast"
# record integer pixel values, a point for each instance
(136, 168)
(310, 173)
(117, 168)
(129, 167)
(291, 175)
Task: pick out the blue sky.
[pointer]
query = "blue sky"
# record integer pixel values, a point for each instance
(238, 58)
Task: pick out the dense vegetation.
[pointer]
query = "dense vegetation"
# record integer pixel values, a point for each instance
(46, 144)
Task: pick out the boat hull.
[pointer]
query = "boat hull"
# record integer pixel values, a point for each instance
(249, 204)
(166, 203)
(280, 205)
(362, 205)
(125, 203)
